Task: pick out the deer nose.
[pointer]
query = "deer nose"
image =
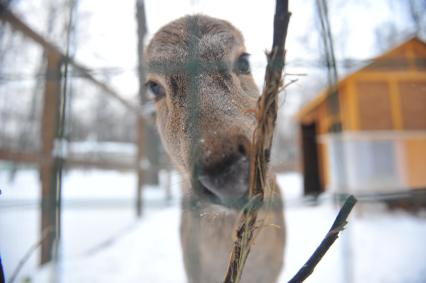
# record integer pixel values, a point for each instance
(227, 179)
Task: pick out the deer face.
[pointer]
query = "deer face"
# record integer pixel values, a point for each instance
(198, 73)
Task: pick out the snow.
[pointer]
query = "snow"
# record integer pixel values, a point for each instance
(149, 252)
(378, 247)
(98, 206)
(89, 146)
(104, 242)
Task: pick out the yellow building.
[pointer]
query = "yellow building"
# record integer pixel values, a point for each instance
(369, 132)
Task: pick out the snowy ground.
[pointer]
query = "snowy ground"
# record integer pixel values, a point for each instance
(103, 241)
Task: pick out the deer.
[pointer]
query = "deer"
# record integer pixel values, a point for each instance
(199, 76)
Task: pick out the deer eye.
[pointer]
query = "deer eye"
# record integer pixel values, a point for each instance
(155, 89)
(242, 65)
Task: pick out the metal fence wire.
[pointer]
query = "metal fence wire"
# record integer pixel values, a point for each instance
(48, 126)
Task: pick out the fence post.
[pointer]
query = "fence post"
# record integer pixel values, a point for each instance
(52, 89)
(141, 127)
(139, 163)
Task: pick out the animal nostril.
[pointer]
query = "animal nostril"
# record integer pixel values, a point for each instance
(267, 155)
(242, 149)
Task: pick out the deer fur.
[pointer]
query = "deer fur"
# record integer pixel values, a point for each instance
(197, 72)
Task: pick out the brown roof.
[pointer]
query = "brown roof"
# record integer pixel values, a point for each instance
(317, 100)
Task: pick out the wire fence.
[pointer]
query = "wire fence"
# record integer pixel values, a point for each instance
(75, 84)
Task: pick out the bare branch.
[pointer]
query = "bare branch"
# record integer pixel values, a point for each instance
(28, 254)
(327, 242)
(266, 115)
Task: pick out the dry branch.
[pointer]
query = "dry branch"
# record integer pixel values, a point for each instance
(28, 254)
(329, 239)
(266, 115)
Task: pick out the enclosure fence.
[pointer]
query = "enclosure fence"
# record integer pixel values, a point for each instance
(53, 153)
(49, 148)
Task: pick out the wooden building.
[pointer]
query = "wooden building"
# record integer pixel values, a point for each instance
(369, 132)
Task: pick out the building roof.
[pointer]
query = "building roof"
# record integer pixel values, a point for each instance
(317, 100)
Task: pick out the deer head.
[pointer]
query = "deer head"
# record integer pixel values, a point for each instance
(199, 75)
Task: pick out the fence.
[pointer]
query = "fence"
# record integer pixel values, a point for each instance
(49, 146)
(53, 142)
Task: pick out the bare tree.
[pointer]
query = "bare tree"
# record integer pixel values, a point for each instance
(150, 137)
(391, 32)
(417, 12)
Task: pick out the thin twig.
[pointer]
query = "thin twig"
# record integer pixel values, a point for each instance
(296, 74)
(28, 254)
(327, 242)
(266, 115)
(289, 84)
